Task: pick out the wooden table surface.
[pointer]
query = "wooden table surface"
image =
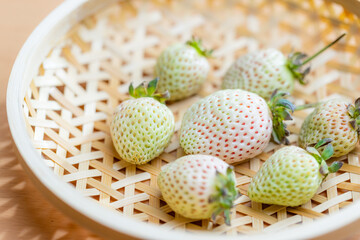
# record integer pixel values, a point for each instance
(24, 213)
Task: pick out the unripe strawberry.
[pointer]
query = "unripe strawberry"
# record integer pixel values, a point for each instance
(142, 127)
(182, 69)
(291, 176)
(264, 71)
(260, 72)
(336, 119)
(199, 187)
(234, 125)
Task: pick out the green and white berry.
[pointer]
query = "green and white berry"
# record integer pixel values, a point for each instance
(336, 119)
(182, 69)
(291, 176)
(199, 187)
(141, 128)
(264, 71)
(260, 72)
(234, 125)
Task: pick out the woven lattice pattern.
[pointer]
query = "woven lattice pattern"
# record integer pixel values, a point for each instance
(69, 104)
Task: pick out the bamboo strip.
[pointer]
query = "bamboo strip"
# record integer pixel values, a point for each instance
(255, 213)
(305, 212)
(242, 180)
(56, 94)
(153, 212)
(336, 200)
(106, 149)
(59, 140)
(350, 168)
(283, 224)
(354, 178)
(141, 217)
(70, 57)
(349, 186)
(245, 171)
(87, 138)
(149, 190)
(333, 182)
(153, 201)
(85, 157)
(30, 107)
(131, 180)
(42, 123)
(105, 169)
(150, 169)
(130, 200)
(45, 144)
(85, 46)
(177, 222)
(81, 175)
(273, 209)
(234, 224)
(63, 123)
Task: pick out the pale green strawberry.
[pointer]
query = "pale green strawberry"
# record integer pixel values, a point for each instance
(182, 69)
(260, 72)
(142, 127)
(264, 71)
(292, 175)
(199, 187)
(336, 119)
(234, 125)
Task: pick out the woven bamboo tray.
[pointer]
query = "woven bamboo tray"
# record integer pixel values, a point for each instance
(77, 66)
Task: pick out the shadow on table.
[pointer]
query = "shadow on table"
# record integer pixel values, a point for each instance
(24, 213)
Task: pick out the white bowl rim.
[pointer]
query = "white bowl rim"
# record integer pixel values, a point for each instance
(90, 209)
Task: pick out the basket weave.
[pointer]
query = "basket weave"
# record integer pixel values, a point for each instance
(70, 102)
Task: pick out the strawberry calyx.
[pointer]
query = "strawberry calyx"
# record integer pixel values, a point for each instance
(295, 65)
(148, 91)
(327, 152)
(224, 195)
(196, 43)
(296, 61)
(281, 110)
(354, 113)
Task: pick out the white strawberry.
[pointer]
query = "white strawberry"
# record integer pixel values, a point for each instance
(234, 125)
(142, 127)
(336, 119)
(264, 71)
(199, 187)
(182, 69)
(291, 176)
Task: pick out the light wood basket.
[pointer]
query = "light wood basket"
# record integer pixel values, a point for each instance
(77, 66)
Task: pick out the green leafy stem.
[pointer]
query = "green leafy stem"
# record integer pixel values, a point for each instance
(327, 152)
(148, 91)
(354, 113)
(281, 110)
(297, 60)
(196, 43)
(306, 106)
(225, 194)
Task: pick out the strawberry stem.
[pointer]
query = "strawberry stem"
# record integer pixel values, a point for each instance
(281, 109)
(225, 194)
(196, 43)
(297, 60)
(306, 106)
(322, 50)
(148, 91)
(326, 154)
